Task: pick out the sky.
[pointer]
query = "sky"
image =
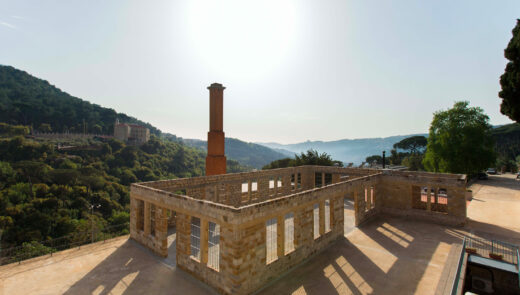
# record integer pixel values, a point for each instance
(293, 70)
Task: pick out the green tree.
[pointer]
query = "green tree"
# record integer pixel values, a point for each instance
(311, 157)
(282, 163)
(378, 159)
(7, 174)
(510, 80)
(460, 141)
(413, 145)
(396, 157)
(32, 249)
(97, 129)
(413, 162)
(44, 127)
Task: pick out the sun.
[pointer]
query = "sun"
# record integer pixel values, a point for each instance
(241, 37)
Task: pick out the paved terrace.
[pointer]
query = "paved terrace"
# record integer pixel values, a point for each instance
(380, 257)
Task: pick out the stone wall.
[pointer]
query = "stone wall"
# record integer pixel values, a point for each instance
(243, 215)
(401, 192)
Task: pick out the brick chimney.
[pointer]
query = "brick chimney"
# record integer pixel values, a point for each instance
(216, 160)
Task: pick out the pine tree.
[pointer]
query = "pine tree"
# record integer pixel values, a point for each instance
(510, 80)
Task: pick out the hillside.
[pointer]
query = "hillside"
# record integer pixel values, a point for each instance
(45, 190)
(27, 100)
(507, 139)
(246, 153)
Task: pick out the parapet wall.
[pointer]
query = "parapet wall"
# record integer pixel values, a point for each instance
(299, 209)
(227, 189)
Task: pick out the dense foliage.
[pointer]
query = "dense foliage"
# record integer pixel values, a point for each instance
(413, 155)
(46, 192)
(378, 159)
(510, 80)
(413, 145)
(507, 140)
(29, 101)
(311, 157)
(460, 141)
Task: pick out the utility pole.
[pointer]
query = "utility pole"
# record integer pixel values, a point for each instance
(384, 159)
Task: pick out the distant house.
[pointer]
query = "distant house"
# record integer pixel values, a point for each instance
(131, 133)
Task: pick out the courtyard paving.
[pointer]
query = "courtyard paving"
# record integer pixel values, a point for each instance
(385, 256)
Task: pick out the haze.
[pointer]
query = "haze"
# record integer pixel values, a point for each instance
(294, 70)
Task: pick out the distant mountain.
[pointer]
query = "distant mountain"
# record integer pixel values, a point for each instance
(507, 139)
(246, 153)
(345, 150)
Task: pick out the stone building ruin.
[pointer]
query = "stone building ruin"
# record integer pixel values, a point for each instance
(237, 232)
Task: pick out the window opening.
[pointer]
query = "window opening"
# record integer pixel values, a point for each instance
(372, 198)
(214, 246)
(328, 178)
(270, 241)
(316, 214)
(289, 232)
(195, 238)
(152, 220)
(140, 214)
(327, 215)
(317, 179)
(442, 196)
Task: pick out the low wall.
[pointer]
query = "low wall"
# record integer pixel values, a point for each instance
(434, 197)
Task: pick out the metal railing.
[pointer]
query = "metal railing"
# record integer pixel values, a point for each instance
(518, 265)
(49, 247)
(456, 281)
(484, 247)
(507, 252)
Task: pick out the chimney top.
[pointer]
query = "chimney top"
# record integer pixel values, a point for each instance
(216, 86)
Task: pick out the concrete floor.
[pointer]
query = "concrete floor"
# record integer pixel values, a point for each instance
(386, 256)
(391, 256)
(495, 206)
(120, 266)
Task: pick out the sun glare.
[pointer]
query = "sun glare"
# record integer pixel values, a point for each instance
(235, 37)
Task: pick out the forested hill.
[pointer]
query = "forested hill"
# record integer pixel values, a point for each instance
(30, 101)
(507, 139)
(246, 153)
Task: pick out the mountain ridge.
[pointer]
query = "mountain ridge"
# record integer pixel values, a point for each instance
(345, 150)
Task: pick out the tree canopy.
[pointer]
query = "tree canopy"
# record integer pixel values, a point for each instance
(311, 157)
(510, 80)
(45, 192)
(414, 144)
(460, 141)
(378, 159)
